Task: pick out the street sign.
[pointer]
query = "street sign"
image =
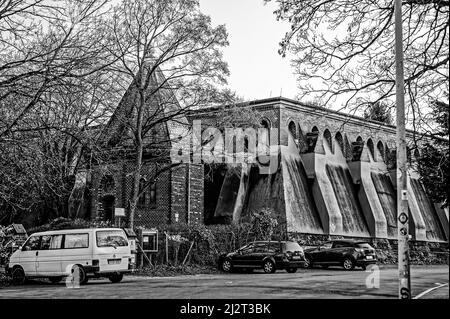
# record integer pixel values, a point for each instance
(119, 212)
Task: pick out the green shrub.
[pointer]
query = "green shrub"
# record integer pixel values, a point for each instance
(208, 242)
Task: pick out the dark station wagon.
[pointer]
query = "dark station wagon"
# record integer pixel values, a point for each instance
(345, 253)
(268, 255)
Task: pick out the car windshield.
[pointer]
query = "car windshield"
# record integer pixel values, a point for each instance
(363, 245)
(291, 246)
(114, 238)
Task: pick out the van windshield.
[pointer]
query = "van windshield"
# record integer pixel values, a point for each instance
(111, 238)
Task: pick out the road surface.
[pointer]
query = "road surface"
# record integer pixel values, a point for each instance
(306, 283)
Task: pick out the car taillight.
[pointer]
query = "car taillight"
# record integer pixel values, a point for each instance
(95, 262)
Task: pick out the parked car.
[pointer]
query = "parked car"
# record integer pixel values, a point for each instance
(268, 255)
(95, 252)
(346, 253)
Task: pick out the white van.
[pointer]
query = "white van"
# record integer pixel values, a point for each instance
(94, 252)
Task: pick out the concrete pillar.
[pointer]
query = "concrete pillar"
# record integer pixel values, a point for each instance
(241, 193)
(323, 193)
(368, 197)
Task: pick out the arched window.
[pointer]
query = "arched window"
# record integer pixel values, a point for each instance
(245, 144)
(152, 199)
(234, 145)
(311, 139)
(380, 147)
(302, 144)
(265, 137)
(293, 131)
(108, 184)
(347, 149)
(371, 148)
(357, 148)
(327, 138)
(340, 141)
(142, 200)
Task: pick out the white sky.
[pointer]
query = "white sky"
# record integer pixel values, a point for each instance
(257, 70)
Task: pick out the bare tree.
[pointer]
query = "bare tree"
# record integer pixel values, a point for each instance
(345, 49)
(54, 89)
(42, 44)
(42, 156)
(172, 56)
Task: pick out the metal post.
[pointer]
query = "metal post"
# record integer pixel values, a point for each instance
(402, 178)
(188, 191)
(167, 248)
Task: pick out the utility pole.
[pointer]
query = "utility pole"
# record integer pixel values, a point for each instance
(404, 290)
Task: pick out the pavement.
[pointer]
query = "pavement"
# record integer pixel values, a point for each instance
(382, 282)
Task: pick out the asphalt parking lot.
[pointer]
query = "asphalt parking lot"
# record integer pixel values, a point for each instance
(427, 282)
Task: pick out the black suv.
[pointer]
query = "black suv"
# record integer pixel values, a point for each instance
(268, 255)
(346, 253)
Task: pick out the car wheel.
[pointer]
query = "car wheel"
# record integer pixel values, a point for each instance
(363, 267)
(55, 280)
(116, 278)
(18, 276)
(226, 265)
(308, 262)
(269, 267)
(291, 270)
(348, 264)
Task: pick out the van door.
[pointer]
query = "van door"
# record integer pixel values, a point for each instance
(28, 255)
(75, 251)
(112, 250)
(49, 257)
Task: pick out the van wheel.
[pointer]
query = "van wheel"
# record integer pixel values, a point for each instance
(82, 277)
(55, 280)
(116, 278)
(18, 276)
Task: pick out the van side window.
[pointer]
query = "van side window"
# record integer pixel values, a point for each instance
(56, 242)
(32, 243)
(76, 241)
(45, 242)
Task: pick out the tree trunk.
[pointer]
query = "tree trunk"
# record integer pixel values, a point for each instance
(138, 159)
